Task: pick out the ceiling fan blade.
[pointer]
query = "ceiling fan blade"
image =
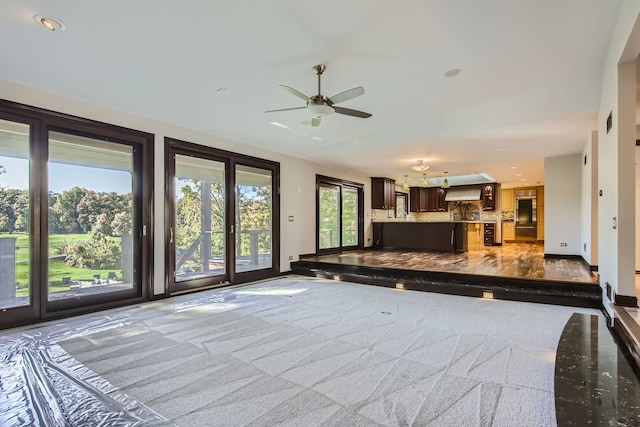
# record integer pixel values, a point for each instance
(286, 109)
(347, 95)
(315, 121)
(296, 93)
(350, 112)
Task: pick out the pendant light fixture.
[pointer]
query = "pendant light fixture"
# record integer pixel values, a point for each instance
(445, 183)
(425, 183)
(420, 166)
(405, 185)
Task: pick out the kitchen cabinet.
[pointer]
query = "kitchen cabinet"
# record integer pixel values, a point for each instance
(383, 193)
(430, 199)
(419, 199)
(540, 218)
(474, 237)
(507, 200)
(489, 233)
(508, 231)
(437, 202)
(540, 196)
(489, 197)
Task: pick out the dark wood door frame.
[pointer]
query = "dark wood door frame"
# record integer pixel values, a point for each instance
(321, 179)
(41, 122)
(230, 159)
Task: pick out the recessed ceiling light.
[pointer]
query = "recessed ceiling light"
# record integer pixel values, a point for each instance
(522, 179)
(316, 138)
(453, 72)
(513, 167)
(50, 23)
(518, 174)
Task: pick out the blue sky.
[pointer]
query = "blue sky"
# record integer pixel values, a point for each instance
(63, 176)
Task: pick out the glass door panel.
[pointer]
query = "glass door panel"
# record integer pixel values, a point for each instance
(91, 216)
(329, 216)
(254, 216)
(349, 216)
(15, 218)
(199, 238)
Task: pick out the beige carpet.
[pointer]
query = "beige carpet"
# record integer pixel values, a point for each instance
(297, 351)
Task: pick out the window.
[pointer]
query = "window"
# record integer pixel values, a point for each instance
(91, 211)
(402, 205)
(253, 227)
(222, 217)
(329, 216)
(339, 215)
(15, 215)
(200, 218)
(75, 215)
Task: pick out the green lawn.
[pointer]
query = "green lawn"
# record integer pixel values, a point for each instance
(57, 267)
(55, 240)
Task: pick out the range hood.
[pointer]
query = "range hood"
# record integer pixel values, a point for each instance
(463, 194)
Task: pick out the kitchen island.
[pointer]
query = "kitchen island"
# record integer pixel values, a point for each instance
(449, 236)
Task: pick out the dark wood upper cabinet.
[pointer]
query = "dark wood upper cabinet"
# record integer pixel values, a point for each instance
(437, 200)
(419, 199)
(383, 193)
(427, 199)
(489, 197)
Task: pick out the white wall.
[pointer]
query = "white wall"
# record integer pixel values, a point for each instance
(589, 179)
(297, 177)
(562, 205)
(616, 156)
(637, 172)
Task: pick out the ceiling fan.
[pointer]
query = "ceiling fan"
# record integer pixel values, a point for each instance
(320, 106)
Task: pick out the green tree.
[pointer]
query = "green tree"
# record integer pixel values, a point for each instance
(22, 213)
(100, 253)
(102, 225)
(66, 207)
(349, 217)
(54, 218)
(188, 214)
(88, 210)
(122, 223)
(328, 217)
(9, 198)
(253, 216)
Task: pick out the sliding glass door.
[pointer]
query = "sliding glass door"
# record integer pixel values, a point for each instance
(16, 288)
(253, 219)
(339, 215)
(91, 212)
(198, 235)
(222, 217)
(75, 215)
(350, 210)
(328, 216)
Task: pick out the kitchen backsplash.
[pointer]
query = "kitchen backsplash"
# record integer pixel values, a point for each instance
(507, 216)
(475, 213)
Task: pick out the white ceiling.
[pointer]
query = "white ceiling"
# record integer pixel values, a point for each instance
(529, 86)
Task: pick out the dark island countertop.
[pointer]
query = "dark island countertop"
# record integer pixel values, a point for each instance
(448, 236)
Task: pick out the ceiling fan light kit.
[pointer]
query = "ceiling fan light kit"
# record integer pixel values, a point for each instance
(319, 106)
(319, 110)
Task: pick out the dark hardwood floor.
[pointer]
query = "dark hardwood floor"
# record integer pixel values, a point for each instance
(522, 260)
(515, 271)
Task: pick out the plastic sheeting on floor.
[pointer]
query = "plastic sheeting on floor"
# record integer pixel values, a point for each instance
(40, 384)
